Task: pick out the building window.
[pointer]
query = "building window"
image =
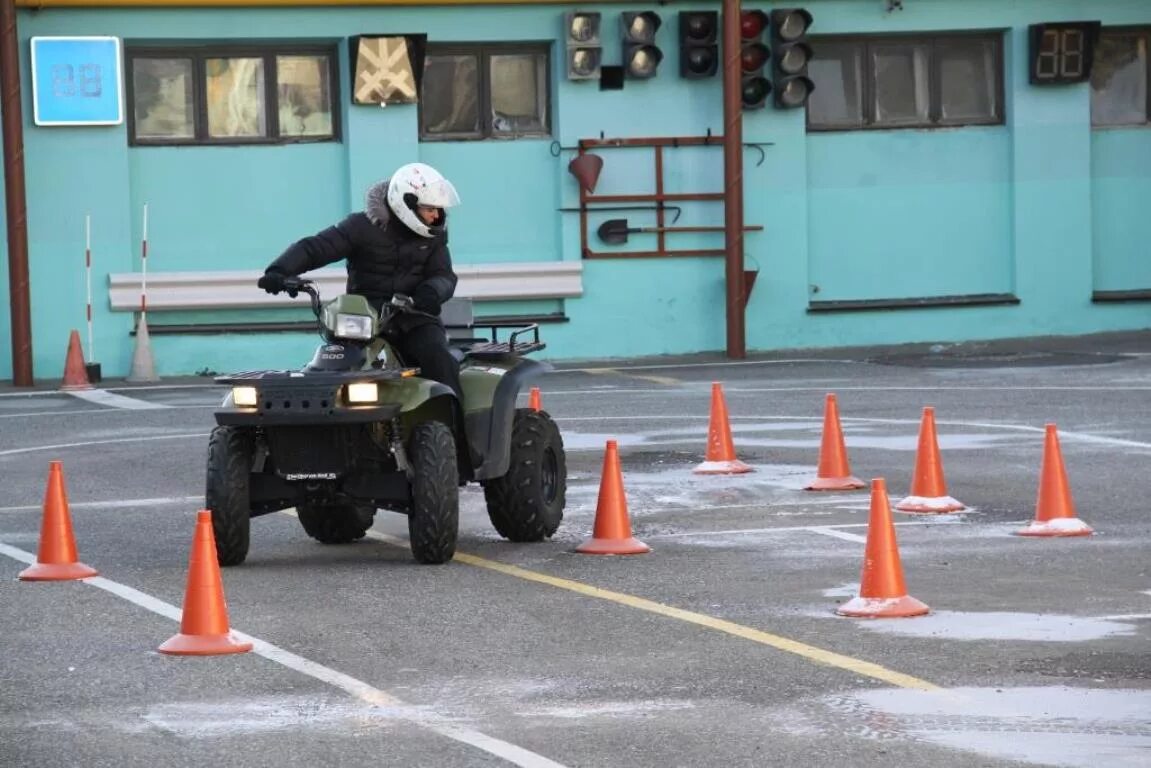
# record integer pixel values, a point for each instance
(485, 92)
(225, 95)
(906, 81)
(1119, 79)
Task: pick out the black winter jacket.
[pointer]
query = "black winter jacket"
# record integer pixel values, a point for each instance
(383, 256)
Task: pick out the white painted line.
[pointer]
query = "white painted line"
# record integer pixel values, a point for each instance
(90, 411)
(116, 503)
(1125, 617)
(112, 400)
(66, 446)
(717, 364)
(825, 531)
(779, 529)
(357, 688)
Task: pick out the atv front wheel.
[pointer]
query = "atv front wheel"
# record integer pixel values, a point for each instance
(336, 523)
(434, 520)
(229, 469)
(527, 503)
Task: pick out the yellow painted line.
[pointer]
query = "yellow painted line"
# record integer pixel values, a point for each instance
(809, 652)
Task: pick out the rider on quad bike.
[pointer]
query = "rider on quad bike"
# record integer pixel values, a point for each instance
(397, 244)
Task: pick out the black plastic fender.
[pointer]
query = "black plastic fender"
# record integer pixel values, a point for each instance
(491, 437)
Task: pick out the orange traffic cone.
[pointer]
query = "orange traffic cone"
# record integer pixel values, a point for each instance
(612, 532)
(721, 458)
(928, 487)
(882, 592)
(834, 473)
(1054, 509)
(534, 400)
(57, 558)
(75, 372)
(204, 623)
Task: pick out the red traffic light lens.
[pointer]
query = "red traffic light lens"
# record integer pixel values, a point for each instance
(751, 24)
(753, 57)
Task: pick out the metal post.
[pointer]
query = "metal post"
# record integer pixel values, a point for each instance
(733, 180)
(14, 196)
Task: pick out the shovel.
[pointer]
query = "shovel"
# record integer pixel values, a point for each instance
(615, 231)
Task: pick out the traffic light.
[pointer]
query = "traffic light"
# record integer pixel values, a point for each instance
(584, 51)
(789, 56)
(698, 44)
(641, 56)
(753, 57)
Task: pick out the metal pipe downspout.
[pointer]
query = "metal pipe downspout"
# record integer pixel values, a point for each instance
(14, 196)
(733, 181)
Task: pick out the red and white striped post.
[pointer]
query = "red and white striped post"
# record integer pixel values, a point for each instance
(93, 368)
(144, 268)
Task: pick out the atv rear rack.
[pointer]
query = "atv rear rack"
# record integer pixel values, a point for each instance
(494, 349)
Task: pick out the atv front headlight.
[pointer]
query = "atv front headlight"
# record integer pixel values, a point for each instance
(363, 392)
(353, 326)
(246, 397)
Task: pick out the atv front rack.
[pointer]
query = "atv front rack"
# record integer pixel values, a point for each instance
(493, 349)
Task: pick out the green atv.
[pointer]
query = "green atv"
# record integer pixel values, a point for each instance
(356, 430)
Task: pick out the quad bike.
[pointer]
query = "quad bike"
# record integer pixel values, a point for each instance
(356, 429)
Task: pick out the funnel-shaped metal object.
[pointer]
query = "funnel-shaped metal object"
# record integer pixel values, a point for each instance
(586, 169)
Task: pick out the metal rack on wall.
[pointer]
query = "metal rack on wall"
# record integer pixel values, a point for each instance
(660, 198)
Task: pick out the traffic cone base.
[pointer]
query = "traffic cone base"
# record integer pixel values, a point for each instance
(1060, 526)
(720, 458)
(834, 471)
(732, 467)
(611, 534)
(628, 546)
(57, 572)
(204, 645)
(75, 372)
(883, 607)
(937, 504)
(849, 483)
(143, 366)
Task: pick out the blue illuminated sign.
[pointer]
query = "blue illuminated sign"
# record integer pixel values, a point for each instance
(76, 81)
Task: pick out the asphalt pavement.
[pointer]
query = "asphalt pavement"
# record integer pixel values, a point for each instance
(719, 647)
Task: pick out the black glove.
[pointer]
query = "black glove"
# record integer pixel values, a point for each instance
(425, 299)
(272, 281)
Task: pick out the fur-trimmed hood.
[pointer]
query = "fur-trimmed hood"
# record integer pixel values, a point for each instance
(376, 204)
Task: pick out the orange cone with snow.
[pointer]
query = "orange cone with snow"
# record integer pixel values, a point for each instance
(882, 591)
(56, 559)
(1054, 508)
(204, 622)
(612, 533)
(534, 400)
(721, 459)
(834, 472)
(75, 372)
(928, 486)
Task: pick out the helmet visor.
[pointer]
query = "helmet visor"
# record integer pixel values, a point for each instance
(438, 194)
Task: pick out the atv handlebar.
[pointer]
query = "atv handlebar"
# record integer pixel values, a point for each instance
(399, 303)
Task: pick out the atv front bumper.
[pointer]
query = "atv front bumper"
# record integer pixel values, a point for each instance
(301, 417)
(284, 398)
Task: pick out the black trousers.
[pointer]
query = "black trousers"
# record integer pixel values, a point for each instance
(426, 347)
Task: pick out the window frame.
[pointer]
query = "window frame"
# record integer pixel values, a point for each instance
(933, 41)
(199, 54)
(483, 51)
(1131, 30)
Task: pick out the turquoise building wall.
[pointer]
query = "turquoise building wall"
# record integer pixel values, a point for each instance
(1042, 207)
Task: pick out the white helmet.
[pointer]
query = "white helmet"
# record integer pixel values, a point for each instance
(419, 184)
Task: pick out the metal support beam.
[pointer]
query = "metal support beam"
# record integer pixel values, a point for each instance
(733, 181)
(14, 196)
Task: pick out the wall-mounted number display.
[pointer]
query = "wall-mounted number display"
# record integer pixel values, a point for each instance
(76, 81)
(1062, 52)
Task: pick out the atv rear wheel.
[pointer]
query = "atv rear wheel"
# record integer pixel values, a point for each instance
(336, 523)
(226, 495)
(527, 503)
(434, 520)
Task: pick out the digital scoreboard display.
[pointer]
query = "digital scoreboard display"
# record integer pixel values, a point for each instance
(77, 81)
